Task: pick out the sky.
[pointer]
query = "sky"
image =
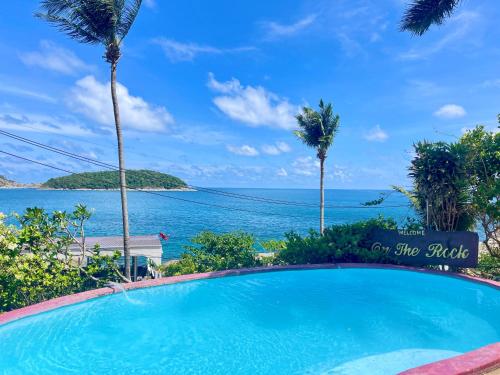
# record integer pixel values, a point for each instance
(209, 90)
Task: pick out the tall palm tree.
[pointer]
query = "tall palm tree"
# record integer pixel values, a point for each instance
(317, 130)
(105, 22)
(421, 14)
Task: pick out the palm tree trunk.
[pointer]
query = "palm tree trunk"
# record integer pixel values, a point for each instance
(121, 163)
(321, 196)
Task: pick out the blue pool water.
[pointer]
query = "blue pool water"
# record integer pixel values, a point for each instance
(353, 321)
(150, 214)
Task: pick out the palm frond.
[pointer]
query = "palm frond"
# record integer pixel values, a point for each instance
(421, 14)
(91, 21)
(128, 16)
(408, 194)
(70, 28)
(318, 129)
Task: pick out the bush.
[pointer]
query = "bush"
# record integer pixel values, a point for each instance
(36, 265)
(339, 243)
(215, 252)
(489, 266)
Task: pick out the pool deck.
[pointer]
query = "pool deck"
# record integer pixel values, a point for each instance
(480, 361)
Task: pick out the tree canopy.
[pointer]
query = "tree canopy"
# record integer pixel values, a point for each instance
(136, 179)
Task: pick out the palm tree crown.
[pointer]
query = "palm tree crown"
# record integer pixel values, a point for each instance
(93, 21)
(318, 128)
(423, 13)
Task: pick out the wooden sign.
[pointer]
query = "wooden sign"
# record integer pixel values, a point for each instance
(458, 249)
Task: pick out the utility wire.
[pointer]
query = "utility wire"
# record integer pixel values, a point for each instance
(202, 189)
(161, 194)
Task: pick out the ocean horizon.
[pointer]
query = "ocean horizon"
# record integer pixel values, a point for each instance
(174, 213)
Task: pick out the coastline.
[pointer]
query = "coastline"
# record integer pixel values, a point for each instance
(138, 189)
(88, 189)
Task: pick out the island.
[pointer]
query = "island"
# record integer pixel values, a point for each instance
(6, 183)
(142, 179)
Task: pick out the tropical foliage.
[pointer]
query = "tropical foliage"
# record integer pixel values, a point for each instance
(136, 179)
(104, 22)
(483, 176)
(488, 267)
(456, 185)
(317, 130)
(339, 243)
(440, 185)
(421, 14)
(215, 252)
(35, 261)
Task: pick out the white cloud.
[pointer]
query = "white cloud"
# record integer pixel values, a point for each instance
(92, 98)
(201, 135)
(306, 166)
(423, 87)
(254, 106)
(461, 25)
(276, 149)
(350, 46)
(52, 57)
(178, 51)
(276, 30)
(341, 173)
(244, 150)
(18, 91)
(491, 83)
(215, 172)
(42, 124)
(150, 3)
(282, 172)
(449, 111)
(376, 134)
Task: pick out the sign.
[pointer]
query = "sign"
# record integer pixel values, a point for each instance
(458, 249)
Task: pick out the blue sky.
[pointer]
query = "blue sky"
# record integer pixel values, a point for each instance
(209, 90)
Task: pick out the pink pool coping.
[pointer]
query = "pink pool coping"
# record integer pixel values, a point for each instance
(477, 361)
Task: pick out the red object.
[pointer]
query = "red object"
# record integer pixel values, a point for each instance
(164, 236)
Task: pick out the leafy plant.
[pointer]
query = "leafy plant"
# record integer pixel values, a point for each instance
(440, 186)
(36, 263)
(483, 172)
(339, 243)
(215, 252)
(489, 266)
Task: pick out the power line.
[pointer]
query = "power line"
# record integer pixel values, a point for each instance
(36, 162)
(203, 189)
(160, 194)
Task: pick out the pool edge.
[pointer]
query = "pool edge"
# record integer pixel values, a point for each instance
(477, 361)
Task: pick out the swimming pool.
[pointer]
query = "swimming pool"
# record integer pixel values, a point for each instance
(332, 321)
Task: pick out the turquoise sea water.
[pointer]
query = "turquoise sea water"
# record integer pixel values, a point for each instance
(350, 321)
(150, 214)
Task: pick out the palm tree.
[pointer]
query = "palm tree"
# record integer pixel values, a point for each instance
(421, 14)
(105, 22)
(317, 130)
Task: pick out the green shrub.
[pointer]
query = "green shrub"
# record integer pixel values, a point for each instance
(489, 266)
(339, 243)
(215, 252)
(36, 265)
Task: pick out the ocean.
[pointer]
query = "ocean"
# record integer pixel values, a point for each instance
(170, 213)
